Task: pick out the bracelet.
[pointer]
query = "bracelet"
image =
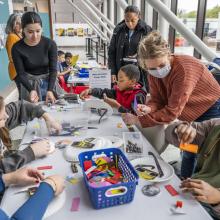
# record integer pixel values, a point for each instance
(53, 183)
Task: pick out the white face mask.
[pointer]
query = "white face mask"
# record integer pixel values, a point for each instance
(160, 73)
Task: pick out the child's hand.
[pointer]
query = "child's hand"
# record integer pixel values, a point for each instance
(56, 182)
(201, 190)
(84, 94)
(112, 102)
(130, 119)
(34, 98)
(185, 133)
(23, 176)
(41, 148)
(142, 109)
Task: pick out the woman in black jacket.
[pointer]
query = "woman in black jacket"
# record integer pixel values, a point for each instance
(125, 39)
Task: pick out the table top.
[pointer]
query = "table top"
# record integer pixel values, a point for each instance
(142, 207)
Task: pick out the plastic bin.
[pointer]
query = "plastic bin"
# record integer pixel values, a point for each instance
(100, 196)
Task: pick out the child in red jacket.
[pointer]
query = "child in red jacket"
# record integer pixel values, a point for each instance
(126, 94)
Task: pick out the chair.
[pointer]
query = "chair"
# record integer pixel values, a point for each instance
(63, 84)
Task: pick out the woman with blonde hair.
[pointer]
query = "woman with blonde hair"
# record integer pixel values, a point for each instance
(181, 87)
(13, 30)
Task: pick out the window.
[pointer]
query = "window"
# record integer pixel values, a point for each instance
(186, 12)
(211, 36)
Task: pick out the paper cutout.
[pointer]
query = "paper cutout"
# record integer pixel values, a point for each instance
(193, 148)
(75, 204)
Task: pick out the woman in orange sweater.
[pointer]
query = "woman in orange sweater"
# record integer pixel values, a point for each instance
(13, 30)
(180, 87)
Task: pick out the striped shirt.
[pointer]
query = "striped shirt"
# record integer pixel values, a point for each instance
(186, 93)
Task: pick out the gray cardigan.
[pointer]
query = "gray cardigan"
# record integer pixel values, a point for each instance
(18, 113)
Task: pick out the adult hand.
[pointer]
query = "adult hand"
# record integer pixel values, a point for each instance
(201, 190)
(185, 133)
(84, 94)
(143, 109)
(112, 102)
(56, 182)
(34, 96)
(51, 123)
(50, 97)
(23, 176)
(41, 148)
(114, 79)
(130, 119)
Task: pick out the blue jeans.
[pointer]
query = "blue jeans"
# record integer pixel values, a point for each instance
(43, 89)
(189, 159)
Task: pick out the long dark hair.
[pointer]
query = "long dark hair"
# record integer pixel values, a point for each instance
(30, 17)
(132, 9)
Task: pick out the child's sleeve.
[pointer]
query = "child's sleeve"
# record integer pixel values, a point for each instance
(202, 131)
(35, 207)
(97, 92)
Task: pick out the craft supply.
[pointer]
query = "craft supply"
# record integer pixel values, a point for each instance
(74, 168)
(75, 204)
(116, 160)
(73, 180)
(119, 125)
(150, 190)
(145, 173)
(179, 204)
(130, 128)
(160, 171)
(193, 148)
(30, 191)
(87, 164)
(171, 190)
(133, 148)
(45, 167)
(135, 104)
(177, 211)
(107, 177)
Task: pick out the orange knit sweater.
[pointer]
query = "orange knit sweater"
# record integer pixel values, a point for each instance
(11, 40)
(186, 93)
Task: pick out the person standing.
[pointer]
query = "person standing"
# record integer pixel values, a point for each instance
(181, 87)
(35, 60)
(125, 40)
(14, 32)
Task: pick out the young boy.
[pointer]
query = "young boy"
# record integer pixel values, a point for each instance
(60, 63)
(126, 95)
(205, 182)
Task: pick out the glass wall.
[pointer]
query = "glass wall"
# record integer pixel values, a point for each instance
(186, 12)
(211, 35)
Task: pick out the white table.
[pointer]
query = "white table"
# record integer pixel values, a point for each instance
(142, 207)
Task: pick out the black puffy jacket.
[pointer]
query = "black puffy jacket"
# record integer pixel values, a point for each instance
(120, 47)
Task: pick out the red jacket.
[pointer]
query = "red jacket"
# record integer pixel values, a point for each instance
(126, 98)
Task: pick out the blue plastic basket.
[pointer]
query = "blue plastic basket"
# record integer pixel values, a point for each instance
(99, 196)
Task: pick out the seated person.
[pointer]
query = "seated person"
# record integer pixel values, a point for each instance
(60, 69)
(126, 95)
(205, 181)
(11, 116)
(205, 193)
(35, 207)
(67, 65)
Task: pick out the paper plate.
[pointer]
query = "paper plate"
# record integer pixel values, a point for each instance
(98, 104)
(71, 153)
(166, 168)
